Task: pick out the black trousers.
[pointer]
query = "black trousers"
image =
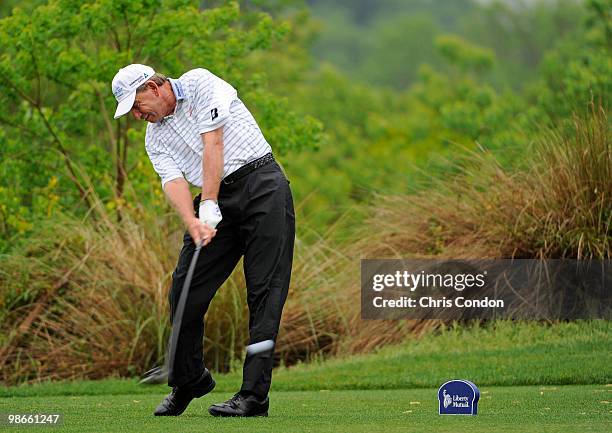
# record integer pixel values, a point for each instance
(259, 224)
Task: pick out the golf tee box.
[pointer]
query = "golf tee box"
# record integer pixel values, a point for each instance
(458, 397)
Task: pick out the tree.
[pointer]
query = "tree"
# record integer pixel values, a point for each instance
(56, 104)
(579, 71)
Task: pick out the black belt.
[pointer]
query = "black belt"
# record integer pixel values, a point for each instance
(248, 168)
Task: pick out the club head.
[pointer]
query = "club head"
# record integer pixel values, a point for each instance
(154, 376)
(260, 348)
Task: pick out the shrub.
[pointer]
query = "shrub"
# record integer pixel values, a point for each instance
(558, 206)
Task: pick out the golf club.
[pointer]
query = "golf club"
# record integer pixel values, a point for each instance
(160, 374)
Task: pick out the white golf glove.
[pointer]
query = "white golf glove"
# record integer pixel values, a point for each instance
(210, 213)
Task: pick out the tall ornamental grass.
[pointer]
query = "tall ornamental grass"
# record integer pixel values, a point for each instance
(88, 298)
(558, 206)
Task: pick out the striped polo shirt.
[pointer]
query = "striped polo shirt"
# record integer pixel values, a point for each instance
(204, 102)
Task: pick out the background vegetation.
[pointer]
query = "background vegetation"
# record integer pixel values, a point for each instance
(408, 128)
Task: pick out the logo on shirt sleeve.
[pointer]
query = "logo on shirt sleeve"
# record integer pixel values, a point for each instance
(214, 114)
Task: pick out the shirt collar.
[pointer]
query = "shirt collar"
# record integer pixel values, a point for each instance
(177, 88)
(179, 94)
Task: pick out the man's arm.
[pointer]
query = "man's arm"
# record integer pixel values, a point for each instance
(212, 164)
(179, 196)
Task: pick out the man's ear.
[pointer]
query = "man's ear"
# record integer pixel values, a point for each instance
(154, 87)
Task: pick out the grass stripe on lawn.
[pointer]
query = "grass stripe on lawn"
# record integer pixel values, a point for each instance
(509, 353)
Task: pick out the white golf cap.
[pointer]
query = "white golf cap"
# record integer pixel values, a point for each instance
(125, 83)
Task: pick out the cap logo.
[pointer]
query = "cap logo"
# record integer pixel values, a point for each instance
(138, 80)
(118, 91)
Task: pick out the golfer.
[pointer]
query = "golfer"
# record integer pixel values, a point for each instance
(200, 132)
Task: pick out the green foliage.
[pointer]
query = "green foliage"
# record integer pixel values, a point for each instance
(401, 44)
(386, 41)
(520, 33)
(579, 71)
(464, 111)
(57, 63)
(466, 56)
(377, 139)
(7, 6)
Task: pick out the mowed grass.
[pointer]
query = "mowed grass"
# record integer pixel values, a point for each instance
(506, 353)
(502, 409)
(565, 368)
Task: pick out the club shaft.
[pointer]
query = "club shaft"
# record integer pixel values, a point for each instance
(180, 308)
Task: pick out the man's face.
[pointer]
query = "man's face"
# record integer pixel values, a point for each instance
(148, 105)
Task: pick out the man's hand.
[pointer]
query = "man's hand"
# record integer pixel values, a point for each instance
(210, 213)
(200, 232)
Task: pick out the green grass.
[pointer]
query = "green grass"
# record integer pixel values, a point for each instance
(510, 353)
(502, 409)
(565, 369)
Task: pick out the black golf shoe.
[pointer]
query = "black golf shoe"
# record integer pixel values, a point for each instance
(241, 405)
(177, 401)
